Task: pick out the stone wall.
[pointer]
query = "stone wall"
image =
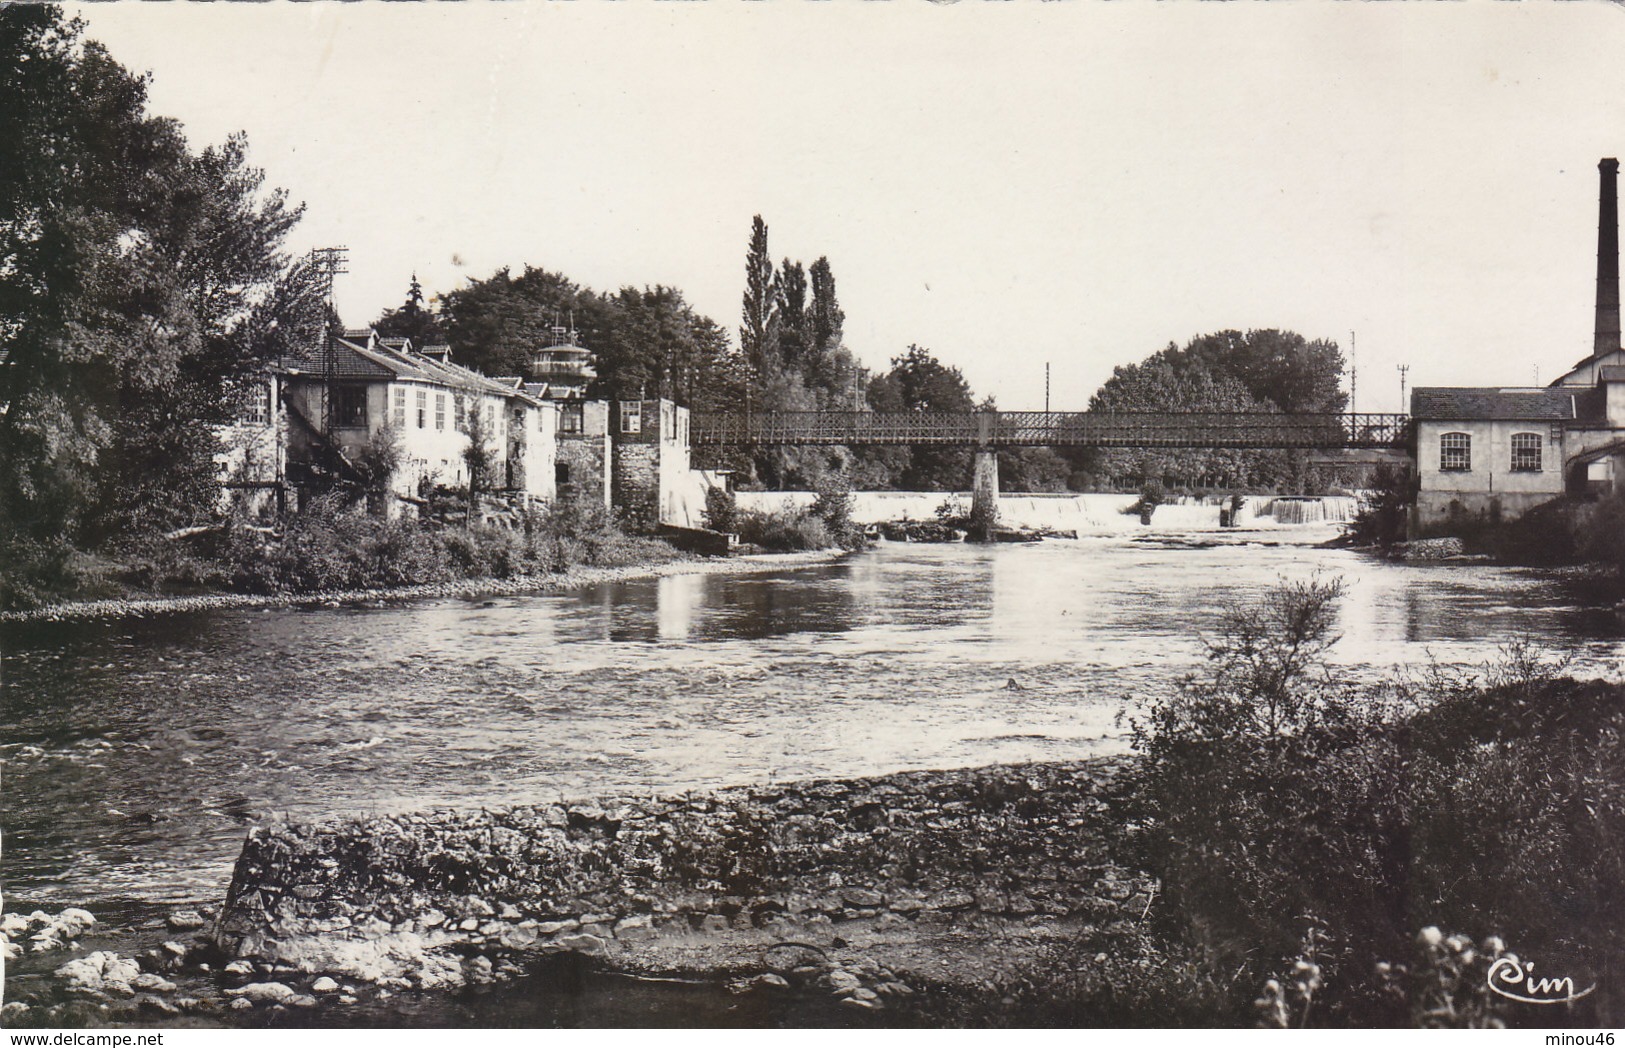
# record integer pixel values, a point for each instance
(636, 481)
(1024, 852)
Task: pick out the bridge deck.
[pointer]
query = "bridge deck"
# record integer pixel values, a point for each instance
(1096, 429)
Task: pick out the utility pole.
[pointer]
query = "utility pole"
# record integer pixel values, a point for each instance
(1403, 369)
(328, 263)
(1354, 376)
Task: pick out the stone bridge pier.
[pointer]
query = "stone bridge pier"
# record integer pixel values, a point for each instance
(984, 492)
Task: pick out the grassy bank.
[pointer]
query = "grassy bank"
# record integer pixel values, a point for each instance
(328, 554)
(330, 547)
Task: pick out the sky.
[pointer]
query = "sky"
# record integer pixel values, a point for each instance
(1009, 184)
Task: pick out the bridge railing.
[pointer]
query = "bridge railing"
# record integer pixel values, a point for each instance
(1207, 429)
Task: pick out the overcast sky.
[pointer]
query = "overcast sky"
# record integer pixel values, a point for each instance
(1005, 183)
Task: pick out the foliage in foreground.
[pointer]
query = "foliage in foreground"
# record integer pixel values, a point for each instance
(1303, 829)
(1270, 796)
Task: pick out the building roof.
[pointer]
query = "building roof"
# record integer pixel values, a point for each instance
(354, 359)
(1611, 373)
(1458, 404)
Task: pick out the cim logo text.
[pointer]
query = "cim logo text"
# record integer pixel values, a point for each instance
(1516, 981)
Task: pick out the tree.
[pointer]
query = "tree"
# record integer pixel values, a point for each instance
(759, 327)
(1259, 371)
(495, 325)
(918, 381)
(795, 336)
(135, 281)
(412, 320)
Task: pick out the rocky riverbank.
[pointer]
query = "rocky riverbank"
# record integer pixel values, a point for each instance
(569, 580)
(868, 896)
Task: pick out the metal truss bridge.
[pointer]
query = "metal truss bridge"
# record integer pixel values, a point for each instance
(1057, 429)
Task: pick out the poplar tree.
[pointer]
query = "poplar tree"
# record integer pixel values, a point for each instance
(759, 330)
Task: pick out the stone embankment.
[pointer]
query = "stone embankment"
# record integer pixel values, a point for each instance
(864, 889)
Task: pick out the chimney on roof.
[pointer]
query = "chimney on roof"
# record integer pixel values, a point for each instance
(1607, 330)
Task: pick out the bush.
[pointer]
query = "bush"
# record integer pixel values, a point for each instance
(1152, 495)
(721, 510)
(1269, 796)
(833, 506)
(784, 530)
(1385, 508)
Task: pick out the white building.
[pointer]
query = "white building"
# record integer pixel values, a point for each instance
(385, 391)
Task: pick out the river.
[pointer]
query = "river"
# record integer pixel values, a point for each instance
(137, 751)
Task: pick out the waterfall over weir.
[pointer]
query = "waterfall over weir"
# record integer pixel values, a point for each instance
(1087, 513)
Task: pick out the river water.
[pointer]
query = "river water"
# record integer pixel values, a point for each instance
(137, 751)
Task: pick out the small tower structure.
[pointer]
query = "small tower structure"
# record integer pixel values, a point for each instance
(562, 368)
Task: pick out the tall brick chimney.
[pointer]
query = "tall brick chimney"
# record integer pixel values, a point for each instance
(1607, 330)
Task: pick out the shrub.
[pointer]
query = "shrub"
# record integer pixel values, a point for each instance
(784, 530)
(721, 510)
(1268, 795)
(1152, 495)
(833, 506)
(1384, 508)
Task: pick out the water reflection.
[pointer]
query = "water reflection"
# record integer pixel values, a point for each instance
(136, 751)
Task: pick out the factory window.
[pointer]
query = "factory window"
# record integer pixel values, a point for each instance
(1526, 452)
(459, 413)
(350, 407)
(631, 416)
(259, 403)
(439, 411)
(423, 408)
(570, 418)
(399, 415)
(1456, 452)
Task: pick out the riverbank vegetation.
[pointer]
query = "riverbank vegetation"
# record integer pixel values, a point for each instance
(1312, 837)
(333, 545)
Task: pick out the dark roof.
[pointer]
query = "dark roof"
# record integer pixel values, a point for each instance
(1611, 373)
(353, 360)
(1454, 404)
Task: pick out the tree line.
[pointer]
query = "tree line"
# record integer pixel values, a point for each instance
(145, 283)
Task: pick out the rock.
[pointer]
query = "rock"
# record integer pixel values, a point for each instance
(241, 1004)
(432, 919)
(907, 904)
(863, 993)
(555, 927)
(862, 897)
(157, 1005)
(325, 984)
(263, 992)
(345, 998)
(634, 929)
(860, 1004)
(302, 1000)
(468, 925)
(713, 922)
(590, 945)
(12, 1010)
(175, 950)
(509, 912)
(843, 981)
(770, 981)
(239, 968)
(100, 973)
(478, 907)
(185, 921)
(152, 983)
(953, 900)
